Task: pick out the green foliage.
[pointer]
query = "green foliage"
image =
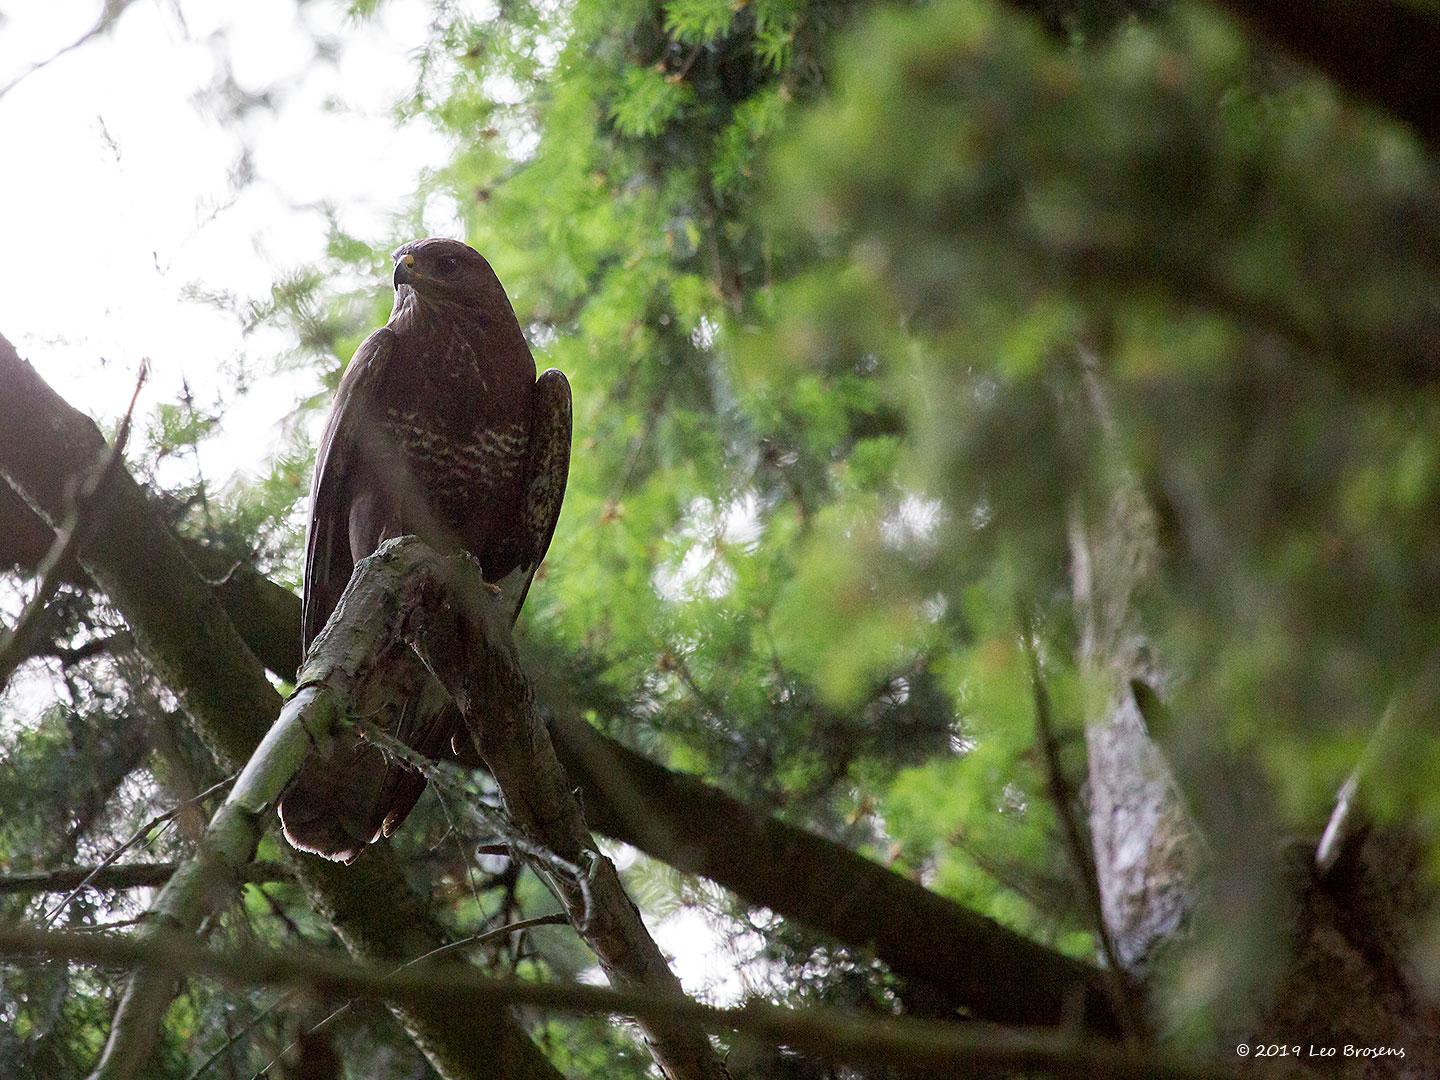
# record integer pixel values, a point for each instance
(699, 21)
(647, 101)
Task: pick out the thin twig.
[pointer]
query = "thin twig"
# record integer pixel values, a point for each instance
(449, 778)
(554, 919)
(232, 1039)
(16, 643)
(452, 830)
(110, 11)
(135, 838)
(1061, 793)
(278, 910)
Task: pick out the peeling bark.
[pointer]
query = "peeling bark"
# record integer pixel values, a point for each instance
(1145, 845)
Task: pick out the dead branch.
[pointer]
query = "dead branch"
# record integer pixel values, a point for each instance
(697, 828)
(926, 1048)
(110, 12)
(1339, 828)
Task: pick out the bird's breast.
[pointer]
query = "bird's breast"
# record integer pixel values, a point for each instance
(444, 452)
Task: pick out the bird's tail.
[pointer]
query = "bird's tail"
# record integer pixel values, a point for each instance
(349, 793)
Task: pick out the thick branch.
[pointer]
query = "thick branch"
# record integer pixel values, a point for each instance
(184, 632)
(991, 972)
(121, 876)
(1145, 845)
(266, 614)
(926, 1048)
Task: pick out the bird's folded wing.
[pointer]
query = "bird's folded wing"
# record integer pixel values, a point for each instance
(546, 470)
(328, 561)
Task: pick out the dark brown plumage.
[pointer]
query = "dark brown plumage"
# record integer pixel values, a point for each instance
(439, 429)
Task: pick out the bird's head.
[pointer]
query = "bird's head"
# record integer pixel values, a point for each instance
(446, 273)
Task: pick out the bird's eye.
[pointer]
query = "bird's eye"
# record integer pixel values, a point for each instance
(447, 264)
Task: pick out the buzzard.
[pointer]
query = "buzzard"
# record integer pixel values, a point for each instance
(441, 430)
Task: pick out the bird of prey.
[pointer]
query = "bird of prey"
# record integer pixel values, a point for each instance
(441, 430)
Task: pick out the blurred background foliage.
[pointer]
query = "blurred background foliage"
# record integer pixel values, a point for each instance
(865, 306)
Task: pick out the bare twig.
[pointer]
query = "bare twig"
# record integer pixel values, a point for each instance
(556, 919)
(929, 1048)
(117, 642)
(16, 644)
(109, 13)
(135, 838)
(448, 778)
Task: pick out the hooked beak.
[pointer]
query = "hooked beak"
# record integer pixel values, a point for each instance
(403, 270)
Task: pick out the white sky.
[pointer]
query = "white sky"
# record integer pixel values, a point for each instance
(117, 193)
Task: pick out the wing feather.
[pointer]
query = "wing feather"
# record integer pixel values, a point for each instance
(547, 469)
(328, 560)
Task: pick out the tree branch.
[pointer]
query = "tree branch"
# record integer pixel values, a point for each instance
(186, 635)
(978, 965)
(1146, 848)
(120, 876)
(443, 607)
(928, 1048)
(974, 962)
(266, 614)
(17, 644)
